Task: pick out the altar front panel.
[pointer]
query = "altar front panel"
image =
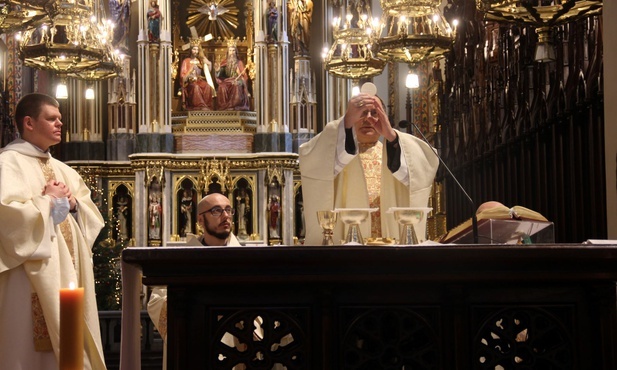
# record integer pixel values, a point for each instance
(447, 307)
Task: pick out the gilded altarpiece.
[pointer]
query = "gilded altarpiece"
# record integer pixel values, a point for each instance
(260, 188)
(112, 187)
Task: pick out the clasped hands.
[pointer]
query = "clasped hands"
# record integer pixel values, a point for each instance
(368, 108)
(59, 189)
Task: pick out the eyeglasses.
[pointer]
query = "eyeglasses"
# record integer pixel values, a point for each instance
(218, 211)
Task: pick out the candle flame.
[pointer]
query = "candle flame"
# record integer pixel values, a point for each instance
(71, 285)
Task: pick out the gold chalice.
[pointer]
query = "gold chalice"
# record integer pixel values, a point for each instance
(327, 221)
(353, 217)
(407, 217)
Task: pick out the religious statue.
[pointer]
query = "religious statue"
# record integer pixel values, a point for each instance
(301, 14)
(232, 79)
(273, 15)
(155, 210)
(121, 90)
(154, 22)
(122, 216)
(243, 208)
(121, 14)
(154, 217)
(197, 85)
(274, 224)
(186, 212)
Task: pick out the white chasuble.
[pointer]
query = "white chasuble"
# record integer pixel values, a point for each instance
(325, 189)
(35, 258)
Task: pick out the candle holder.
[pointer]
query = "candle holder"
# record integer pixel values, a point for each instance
(407, 217)
(327, 221)
(353, 217)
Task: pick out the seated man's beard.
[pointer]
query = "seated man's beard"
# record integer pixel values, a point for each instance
(219, 235)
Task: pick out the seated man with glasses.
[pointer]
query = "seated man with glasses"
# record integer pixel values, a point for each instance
(215, 218)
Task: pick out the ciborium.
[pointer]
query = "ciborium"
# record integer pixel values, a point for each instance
(353, 217)
(407, 217)
(327, 221)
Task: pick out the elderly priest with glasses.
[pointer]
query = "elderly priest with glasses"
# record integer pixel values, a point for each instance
(360, 161)
(215, 216)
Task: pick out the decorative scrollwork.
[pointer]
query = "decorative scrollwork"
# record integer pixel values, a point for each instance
(155, 171)
(259, 340)
(274, 171)
(390, 339)
(523, 339)
(215, 171)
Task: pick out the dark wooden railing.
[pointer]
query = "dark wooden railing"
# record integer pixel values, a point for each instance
(523, 132)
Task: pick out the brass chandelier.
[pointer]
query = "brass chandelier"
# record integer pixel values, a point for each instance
(17, 15)
(411, 31)
(72, 40)
(415, 31)
(351, 54)
(543, 17)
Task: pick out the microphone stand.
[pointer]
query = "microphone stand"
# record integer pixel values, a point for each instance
(474, 218)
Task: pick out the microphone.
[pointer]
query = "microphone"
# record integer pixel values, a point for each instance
(474, 219)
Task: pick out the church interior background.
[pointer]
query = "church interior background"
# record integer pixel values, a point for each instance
(515, 124)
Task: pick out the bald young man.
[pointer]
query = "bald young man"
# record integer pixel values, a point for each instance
(214, 215)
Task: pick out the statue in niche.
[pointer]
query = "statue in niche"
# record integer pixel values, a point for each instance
(274, 224)
(243, 209)
(232, 79)
(154, 225)
(122, 215)
(197, 85)
(187, 207)
(273, 16)
(301, 14)
(121, 91)
(154, 22)
(155, 211)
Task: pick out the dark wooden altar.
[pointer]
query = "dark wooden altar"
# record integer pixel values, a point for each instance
(429, 307)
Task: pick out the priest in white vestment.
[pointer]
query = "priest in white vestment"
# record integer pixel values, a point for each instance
(348, 166)
(49, 224)
(214, 215)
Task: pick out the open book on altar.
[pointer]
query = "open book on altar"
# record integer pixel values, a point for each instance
(503, 225)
